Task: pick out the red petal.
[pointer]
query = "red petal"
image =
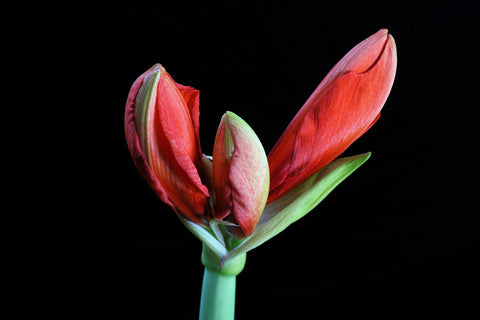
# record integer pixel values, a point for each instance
(192, 99)
(240, 174)
(133, 142)
(172, 155)
(345, 104)
(221, 172)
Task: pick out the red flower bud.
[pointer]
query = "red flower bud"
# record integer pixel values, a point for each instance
(240, 174)
(161, 127)
(345, 104)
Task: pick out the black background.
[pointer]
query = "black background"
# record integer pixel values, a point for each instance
(88, 238)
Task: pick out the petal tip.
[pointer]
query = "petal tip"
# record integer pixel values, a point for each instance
(391, 42)
(387, 47)
(157, 67)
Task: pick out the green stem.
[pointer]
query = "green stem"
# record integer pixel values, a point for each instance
(218, 288)
(218, 296)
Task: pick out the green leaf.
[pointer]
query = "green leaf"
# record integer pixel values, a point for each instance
(284, 211)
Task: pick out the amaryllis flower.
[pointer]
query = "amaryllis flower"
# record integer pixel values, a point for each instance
(225, 198)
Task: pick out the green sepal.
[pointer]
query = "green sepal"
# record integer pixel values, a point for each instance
(284, 211)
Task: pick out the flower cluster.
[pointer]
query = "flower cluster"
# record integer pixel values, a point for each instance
(239, 197)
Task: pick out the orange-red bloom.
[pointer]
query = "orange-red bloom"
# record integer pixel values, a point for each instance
(345, 104)
(161, 126)
(162, 131)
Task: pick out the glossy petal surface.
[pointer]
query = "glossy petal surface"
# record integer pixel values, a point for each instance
(345, 104)
(161, 122)
(240, 173)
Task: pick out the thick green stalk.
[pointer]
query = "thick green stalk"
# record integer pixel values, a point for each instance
(218, 296)
(218, 288)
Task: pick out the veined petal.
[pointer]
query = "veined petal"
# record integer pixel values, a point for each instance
(240, 174)
(165, 118)
(133, 141)
(192, 100)
(345, 104)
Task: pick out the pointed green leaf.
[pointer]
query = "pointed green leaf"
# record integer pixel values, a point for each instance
(284, 211)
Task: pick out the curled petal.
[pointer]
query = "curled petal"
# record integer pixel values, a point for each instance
(240, 174)
(161, 126)
(345, 104)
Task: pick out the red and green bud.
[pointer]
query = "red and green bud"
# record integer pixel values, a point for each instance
(161, 124)
(345, 105)
(240, 174)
